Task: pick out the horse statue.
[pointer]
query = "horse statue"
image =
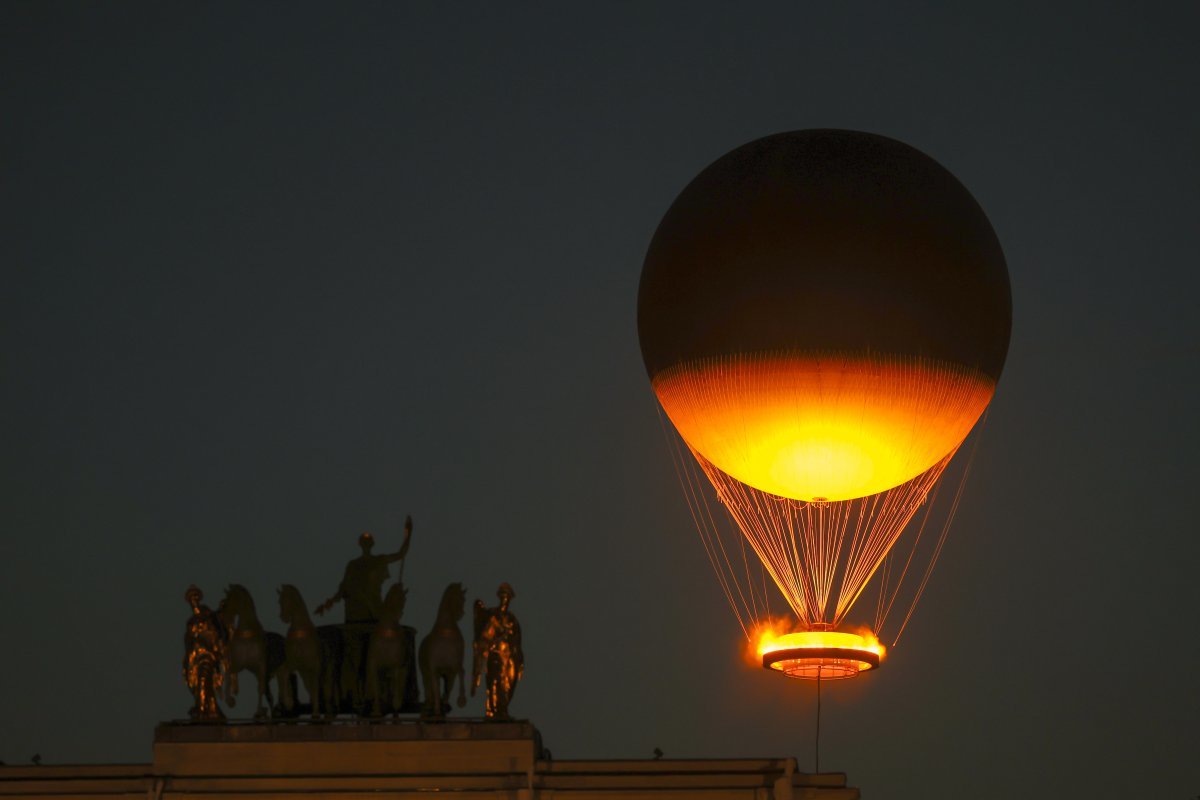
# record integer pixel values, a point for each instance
(250, 647)
(441, 654)
(388, 651)
(314, 653)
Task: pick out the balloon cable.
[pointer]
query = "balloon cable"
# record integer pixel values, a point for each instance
(945, 528)
(817, 739)
(744, 610)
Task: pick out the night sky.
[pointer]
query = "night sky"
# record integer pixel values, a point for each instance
(275, 274)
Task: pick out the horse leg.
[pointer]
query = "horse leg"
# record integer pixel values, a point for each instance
(341, 692)
(430, 685)
(260, 675)
(333, 699)
(348, 679)
(283, 679)
(267, 691)
(447, 688)
(312, 684)
(400, 679)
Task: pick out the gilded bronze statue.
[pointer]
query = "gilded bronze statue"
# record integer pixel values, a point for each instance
(498, 653)
(205, 658)
(441, 654)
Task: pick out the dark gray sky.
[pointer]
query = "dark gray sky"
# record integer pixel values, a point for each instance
(275, 274)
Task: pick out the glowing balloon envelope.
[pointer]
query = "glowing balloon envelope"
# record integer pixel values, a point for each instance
(824, 314)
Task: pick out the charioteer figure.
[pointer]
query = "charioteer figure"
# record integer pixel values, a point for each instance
(361, 589)
(205, 658)
(498, 653)
(361, 595)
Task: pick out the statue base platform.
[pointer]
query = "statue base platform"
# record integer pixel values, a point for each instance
(346, 747)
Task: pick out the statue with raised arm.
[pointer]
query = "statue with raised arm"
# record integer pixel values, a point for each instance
(205, 658)
(498, 654)
(361, 595)
(361, 589)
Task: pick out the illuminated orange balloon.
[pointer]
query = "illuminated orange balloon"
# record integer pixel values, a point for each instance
(824, 314)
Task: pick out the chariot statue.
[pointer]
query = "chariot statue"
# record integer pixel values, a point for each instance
(366, 666)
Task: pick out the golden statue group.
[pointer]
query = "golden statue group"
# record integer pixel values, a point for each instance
(366, 666)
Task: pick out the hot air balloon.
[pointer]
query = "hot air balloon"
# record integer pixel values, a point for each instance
(824, 316)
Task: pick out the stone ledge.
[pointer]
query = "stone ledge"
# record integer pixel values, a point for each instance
(405, 760)
(404, 730)
(716, 779)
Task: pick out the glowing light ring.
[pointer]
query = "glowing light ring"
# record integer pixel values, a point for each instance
(827, 663)
(828, 655)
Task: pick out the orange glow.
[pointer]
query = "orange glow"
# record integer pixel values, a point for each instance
(765, 632)
(835, 654)
(823, 426)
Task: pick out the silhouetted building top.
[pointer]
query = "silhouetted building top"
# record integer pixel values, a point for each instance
(410, 759)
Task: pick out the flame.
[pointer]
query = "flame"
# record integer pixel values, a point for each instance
(765, 632)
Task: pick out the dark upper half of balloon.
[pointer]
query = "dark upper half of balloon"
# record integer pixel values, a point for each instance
(830, 240)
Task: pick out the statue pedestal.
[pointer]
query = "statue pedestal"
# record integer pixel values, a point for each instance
(393, 748)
